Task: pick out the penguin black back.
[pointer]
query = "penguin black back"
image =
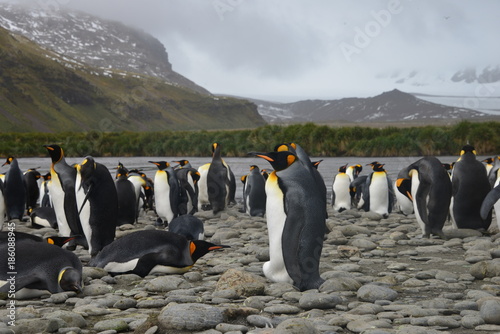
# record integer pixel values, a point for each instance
(14, 190)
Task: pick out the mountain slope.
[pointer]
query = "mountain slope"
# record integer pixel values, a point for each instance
(44, 91)
(94, 41)
(393, 106)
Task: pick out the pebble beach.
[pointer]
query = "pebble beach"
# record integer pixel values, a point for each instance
(381, 277)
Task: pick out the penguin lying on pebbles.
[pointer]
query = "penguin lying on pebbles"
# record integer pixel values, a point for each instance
(147, 252)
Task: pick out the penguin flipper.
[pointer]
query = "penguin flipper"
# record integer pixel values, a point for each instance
(167, 257)
(22, 282)
(488, 202)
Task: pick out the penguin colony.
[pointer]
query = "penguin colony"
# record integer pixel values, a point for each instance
(86, 203)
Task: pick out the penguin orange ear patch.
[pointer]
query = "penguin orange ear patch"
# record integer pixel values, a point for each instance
(192, 248)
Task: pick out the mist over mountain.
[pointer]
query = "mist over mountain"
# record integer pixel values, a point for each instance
(94, 41)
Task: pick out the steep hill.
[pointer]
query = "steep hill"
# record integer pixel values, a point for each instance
(43, 91)
(392, 106)
(94, 41)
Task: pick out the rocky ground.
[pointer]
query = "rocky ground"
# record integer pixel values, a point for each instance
(381, 277)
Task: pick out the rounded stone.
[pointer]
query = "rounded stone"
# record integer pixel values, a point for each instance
(371, 293)
(490, 311)
(191, 316)
(296, 326)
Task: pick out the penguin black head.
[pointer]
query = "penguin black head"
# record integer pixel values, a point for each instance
(283, 147)
(121, 172)
(87, 167)
(198, 248)
(378, 167)
(404, 187)
(8, 161)
(215, 148)
(280, 160)
(372, 163)
(488, 161)
(468, 149)
(315, 164)
(343, 169)
(160, 164)
(70, 279)
(252, 167)
(55, 151)
(357, 169)
(182, 163)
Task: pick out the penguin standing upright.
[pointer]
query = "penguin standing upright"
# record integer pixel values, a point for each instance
(255, 193)
(470, 186)
(63, 194)
(99, 207)
(140, 183)
(31, 177)
(188, 178)
(218, 181)
(430, 193)
(203, 201)
(296, 222)
(354, 171)
(44, 199)
(378, 195)
(147, 252)
(14, 190)
(40, 267)
(127, 201)
(356, 189)
(166, 192)
(341, 198)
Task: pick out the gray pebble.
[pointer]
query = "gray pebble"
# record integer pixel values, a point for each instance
(490, 311)
(372, 293)
(319, 301)
(190, 317)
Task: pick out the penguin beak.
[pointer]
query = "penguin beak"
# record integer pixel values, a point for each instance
(264, 156)
(218, 247)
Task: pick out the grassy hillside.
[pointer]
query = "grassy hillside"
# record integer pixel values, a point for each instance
(45, 92)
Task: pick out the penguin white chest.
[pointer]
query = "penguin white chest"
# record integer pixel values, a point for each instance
(275, 269)
(340, 188)
(379, 193)
(162, 196)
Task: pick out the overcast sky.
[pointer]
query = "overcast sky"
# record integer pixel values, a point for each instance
(295, 49)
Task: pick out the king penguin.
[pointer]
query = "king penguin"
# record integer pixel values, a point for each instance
(99, 206)
(189, 226)
(40, 267)
(127, 201)
(378, 194)
(341, 198)
(296, 222)
(492, 200)
(63, 194)
(148, 252)
(219, 181)
(431, 194)
(255, 193)
(31, 177)
(470, 186)
(14, 190)
(203, 201)
(166, 192)
(402, 191)
(188, 178)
